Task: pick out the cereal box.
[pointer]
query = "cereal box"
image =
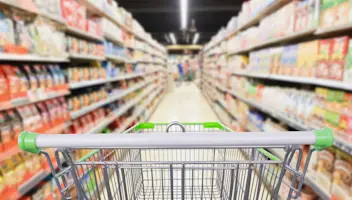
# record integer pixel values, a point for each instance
(342, 176)
(348, 65)
(339, 52)
(324, 55)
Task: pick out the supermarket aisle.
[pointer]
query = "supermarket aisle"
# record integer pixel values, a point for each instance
(184, 104)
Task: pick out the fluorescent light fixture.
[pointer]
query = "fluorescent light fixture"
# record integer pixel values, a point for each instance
(184, 13)
(173, 38)
(196, 38)
(167, 38)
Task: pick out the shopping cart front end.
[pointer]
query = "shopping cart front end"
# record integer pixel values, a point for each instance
(178, 161)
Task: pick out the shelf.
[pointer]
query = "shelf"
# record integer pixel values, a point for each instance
(340, 143)
(290, 37)
(31, 58)
(35, 180)
(83, 34)
(59, 128)
(82, 84)
(129, 121)
(118, 113)
(320, 191)
(328, 30)
(78, 56)
(307, 179)
(303, 80)
(78, 113)
(113, 39)
(26, 100)
(115, 58)
(156, 105)
(275, 5)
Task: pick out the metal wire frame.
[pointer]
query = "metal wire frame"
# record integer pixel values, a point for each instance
(209, 173)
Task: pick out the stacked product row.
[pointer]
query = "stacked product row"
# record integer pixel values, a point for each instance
(112, 78)
(261, 74)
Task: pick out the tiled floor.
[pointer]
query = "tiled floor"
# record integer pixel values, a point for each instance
(184, 104)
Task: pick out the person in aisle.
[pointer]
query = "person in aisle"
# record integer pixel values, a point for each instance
(180, 73)
(187, 71)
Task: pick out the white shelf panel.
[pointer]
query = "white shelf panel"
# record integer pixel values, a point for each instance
(324, 31)
(85, 57)
(112, 38)
(115, 58)
(340, 143)
(31, 58)
(303, 80)
(83, 34)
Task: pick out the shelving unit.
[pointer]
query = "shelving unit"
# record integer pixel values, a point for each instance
(148, 79)
(218, 76)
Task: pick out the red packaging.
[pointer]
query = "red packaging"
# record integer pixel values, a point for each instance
(92, 27)
(24, 117)
(5, 128)
(52, 112)
(59, 110)
(81, 20)
(338, 56)
(37, 123)
(44, 113)
(16, 123)
(84, 123)
(13, 81)
(76, 126)
(323, 60)
(4, 88)
(64, 106)
(67, 11)
(32, 77)
(90, 119)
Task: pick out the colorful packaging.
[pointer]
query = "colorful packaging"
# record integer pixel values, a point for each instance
(16, 123)
(307, 58)
(342, 176)
(339, 52)
(324, 56)
(4, 88)
(324, 168)
(5, 128)
(348, 65)
(335, 13)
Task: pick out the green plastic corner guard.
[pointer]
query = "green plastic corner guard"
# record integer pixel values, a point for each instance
(324, 139)
(27, 142)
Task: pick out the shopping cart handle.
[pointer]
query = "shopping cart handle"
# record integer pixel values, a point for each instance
(33, 142)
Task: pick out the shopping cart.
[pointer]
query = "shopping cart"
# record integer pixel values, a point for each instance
(177, 161)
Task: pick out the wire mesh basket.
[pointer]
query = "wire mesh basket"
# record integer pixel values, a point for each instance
(177, 161)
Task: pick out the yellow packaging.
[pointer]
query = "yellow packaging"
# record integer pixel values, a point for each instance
(307, 58)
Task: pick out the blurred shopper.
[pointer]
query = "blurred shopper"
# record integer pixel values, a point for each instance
(180, 73)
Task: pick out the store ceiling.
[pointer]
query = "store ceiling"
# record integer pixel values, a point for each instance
(160, 17)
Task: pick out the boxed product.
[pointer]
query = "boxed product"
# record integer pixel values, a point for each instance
(335, 13)
(324, 57)
(342, 176)
(16, 81)
(7, 35)
(325, 167)
(307, 58)
(339, 52)
(348, 65)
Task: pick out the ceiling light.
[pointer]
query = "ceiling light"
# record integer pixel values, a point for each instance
(173, 38)
(167, 38)
(196, 38)
(184, 12)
